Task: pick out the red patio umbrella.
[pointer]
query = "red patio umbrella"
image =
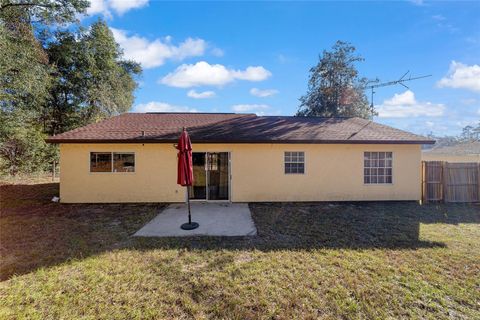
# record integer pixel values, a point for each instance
(185, 172)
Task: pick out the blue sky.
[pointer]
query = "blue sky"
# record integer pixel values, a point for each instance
(255, 56)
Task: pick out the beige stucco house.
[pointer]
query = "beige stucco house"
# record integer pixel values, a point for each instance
(239, 158)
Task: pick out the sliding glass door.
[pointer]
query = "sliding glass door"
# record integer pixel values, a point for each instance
(217, 171)
(199, 188)
(211, 176)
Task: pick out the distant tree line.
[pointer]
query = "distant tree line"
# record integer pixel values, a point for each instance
(55, 76)
(469, 134)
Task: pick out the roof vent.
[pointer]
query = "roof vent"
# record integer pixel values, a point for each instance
(143, 133)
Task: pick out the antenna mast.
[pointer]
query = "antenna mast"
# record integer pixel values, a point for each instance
(390, 83)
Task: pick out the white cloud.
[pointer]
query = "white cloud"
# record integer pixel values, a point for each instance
(204, 74)
(119, 6)
(201, 73)
(461, 76)
(155, 106)
(282, 58)
(98, 6)
(469, 101)
(404, 105)
(200, 95)
(252, 74)
(417, 2)
(466, 122)
(154, 53)
(217, 52)
(259, 109)
(439, 17)
(122, 6)
(475, 40)
(263, 93)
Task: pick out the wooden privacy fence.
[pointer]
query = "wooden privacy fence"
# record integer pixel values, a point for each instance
(450, 182)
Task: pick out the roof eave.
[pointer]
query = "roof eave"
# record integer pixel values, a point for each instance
(149, 140)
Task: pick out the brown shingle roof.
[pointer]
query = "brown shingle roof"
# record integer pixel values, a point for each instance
(235, 128)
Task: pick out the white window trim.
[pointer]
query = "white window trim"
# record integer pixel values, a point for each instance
(378, 184)
(111, 159)
(295, 173)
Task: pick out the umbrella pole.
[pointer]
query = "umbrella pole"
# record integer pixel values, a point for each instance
(188, 204)
(189, 225)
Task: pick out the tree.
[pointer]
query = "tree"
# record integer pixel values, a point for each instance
(54, 79)
(26, 152)
(25, 78)
(92, 81)
(471, 133)
(111, 84)
(24, 68)
(335, 88)
(47, 12)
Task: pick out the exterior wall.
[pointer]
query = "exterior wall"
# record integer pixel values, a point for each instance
(154, 179)
(333, 172)
(450, 158)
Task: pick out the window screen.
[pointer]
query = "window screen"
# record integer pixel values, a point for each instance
(377, 167)
(294, 162)
(123, 162)
(100, 162)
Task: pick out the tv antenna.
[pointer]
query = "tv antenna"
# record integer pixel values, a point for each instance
(400, 81)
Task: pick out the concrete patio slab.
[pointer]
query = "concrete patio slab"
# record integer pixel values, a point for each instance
(215, 219)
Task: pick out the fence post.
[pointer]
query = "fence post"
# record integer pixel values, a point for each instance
(444, 186)
(53, 171)
(423, 200)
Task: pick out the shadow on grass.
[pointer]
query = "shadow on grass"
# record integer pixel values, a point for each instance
(35, 233)
(357, 226)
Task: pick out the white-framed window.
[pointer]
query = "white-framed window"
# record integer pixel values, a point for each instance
(294, 162)
(112, 162)
(377, 167)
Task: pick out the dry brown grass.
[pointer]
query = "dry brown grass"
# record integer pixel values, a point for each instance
(28, 179)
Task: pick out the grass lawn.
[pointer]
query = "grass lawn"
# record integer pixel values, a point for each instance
(364, 260)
